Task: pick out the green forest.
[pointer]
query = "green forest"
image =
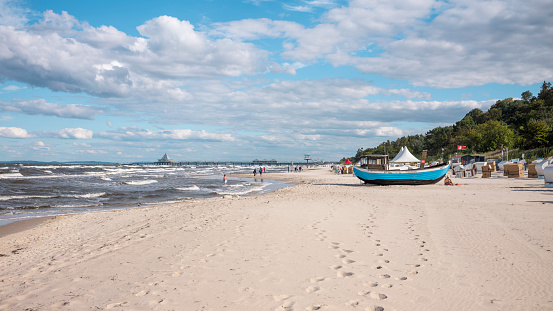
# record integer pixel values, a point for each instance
(523, 126)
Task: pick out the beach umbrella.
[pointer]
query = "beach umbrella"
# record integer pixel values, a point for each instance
(348, 162)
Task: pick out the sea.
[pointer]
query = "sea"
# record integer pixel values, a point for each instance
(33, 191)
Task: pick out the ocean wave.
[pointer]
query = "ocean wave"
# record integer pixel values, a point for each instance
(247, 191)
(91, 195)
(23, 197)
(140, 182)
(191, 188)
(11, 175)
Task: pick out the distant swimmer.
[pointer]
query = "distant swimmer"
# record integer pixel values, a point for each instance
(225, 179)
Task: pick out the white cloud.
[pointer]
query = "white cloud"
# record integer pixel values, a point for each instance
(389, 131)
(41, 107)
(64, 55)
(135, 133)
(13, 88)
(74, 133)
(14, 132)
(12, 14)
(39, 145)
(467, 43)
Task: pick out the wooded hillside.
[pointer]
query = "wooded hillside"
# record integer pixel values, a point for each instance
(524, 126)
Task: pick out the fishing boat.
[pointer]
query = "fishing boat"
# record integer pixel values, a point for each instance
(375, 169)
(423, 176)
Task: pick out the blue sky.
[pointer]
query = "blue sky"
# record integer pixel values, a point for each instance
(128, 81)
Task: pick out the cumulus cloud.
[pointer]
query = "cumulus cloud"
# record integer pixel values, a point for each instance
(41, 107)
(461, 43)
(63, 54)
(467, 43)
(14, 132)
(39, 145)
(135, 133)
(12, 14)
(74, 133)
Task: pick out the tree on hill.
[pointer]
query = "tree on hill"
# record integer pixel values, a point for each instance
(525, 123)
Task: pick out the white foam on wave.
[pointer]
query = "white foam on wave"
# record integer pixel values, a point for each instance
(11, 175)
(247, 191)
(23, 197)
(191, 188)
(91, 195)
(140, 182)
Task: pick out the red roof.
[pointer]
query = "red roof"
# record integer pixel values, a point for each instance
(347, 162)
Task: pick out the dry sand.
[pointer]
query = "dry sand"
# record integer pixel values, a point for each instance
(328, 243)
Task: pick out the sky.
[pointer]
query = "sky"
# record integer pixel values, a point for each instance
(237, 80)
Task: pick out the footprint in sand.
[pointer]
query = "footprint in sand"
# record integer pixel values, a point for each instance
(386, 285)
(377, 267)
(287, 306)
(374, 308)
(352, 303)
(116, 305)
(312, 289)
(281, 297)
(335, 267)
(346, 261)
(343, 274)
(142, 293)
(402, 278)
(340, 256)
(377, 296)
(311, 308)
(373, 284)
(316, 279)
(383, 276)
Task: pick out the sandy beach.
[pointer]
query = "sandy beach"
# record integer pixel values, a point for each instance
(327, 243)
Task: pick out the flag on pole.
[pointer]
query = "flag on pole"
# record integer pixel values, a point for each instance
(459, 147)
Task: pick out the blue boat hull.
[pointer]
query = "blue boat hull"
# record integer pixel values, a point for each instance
(412, 177)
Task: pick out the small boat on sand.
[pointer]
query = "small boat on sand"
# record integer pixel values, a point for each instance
(375, 170)
(424, 176)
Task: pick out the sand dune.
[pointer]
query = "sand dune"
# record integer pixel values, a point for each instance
(327, 243)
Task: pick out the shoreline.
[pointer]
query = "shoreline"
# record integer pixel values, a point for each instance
(326, 243)
(24, 224)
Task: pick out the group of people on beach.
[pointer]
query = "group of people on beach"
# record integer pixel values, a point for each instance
(296, 169)
(261, 170)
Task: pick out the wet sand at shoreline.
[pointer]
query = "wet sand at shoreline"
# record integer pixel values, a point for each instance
(327, 243)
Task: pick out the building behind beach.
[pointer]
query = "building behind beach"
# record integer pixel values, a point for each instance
(165, 160)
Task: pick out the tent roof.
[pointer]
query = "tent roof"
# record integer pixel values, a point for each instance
(348, 162)
(397, 155)
(404, 157)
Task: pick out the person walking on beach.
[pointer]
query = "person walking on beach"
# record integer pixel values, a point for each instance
(260, 171)
(254, 172)
(225, 179)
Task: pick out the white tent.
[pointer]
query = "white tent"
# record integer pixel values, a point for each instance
(404, 157)
(397, 155)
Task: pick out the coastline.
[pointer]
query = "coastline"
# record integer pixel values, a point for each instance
(11, 226)
(326, 243)
(22, 225)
